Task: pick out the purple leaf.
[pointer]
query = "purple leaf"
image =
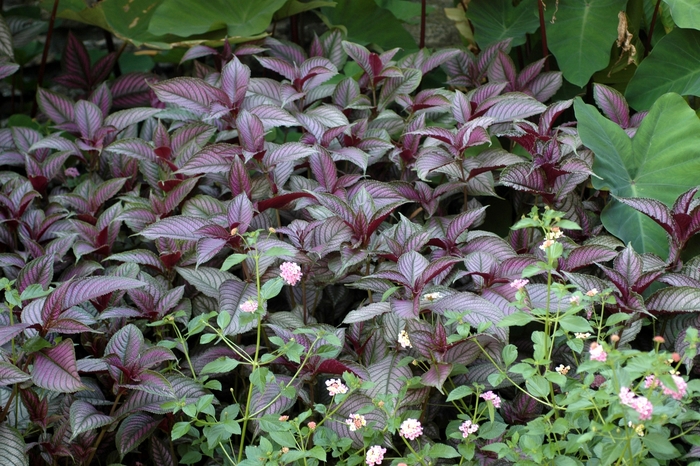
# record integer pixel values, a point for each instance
(55, 369)
(411, 265)
(86, 289)
(674, 299)
(502, 69)
(436, 375)
(521, 177)
(214, 158)
(367, 312)
(206, 280)
(39, 271)
(288, 152)
(11, 374)
(179, 227)
(124, 118)
(551, 114)
(544, 86)
(278, 65)
(84, 418)
(102, 98)
(587, 255)
(251, 132)
(272, 116)
(102, 68)
(629, 264)
(126, 344)
(12, 446)
(656, 210)
(7, 68)
(480, 311)
(133, 430)
(189, 93)
(75, 64)
(184, 388)
(88, 117)
(55, 106)
(131, 90)
(612, 103)
(160, 452)
(512, 106)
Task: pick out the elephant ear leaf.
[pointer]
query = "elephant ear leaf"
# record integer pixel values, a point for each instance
(659, 162)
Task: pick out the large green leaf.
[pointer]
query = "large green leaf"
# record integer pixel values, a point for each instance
(495, 20)
(240, 17)
(686, 13)
(366, 23)
(672, 66)
(581, 36)
(660, 162)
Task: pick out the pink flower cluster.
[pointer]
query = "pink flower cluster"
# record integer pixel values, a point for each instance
(249, 306)
(411, 429)
(519, 284)
(336, 387)
(290, 273)
(682, 386)
(597, 352)
(468, 427)
(375, 455)
(639, 403)
(492, 397)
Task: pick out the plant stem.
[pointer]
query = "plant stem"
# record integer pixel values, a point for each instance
(543, 34)
(104, 429)
(44, 55)
(647, 46)
(421, 43)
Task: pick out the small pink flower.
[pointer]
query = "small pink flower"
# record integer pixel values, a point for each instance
(650, 381)
(312, 425)
(290, 273)
(71, 172)
(592, 292)
(356, 421)
(336, 387)
(375, 455)
(681, 385)
(643, 407)
(249, 306)
(411, 429)
(519, 284)
(468, 427)
(597, 352)
(575, 300)
(546, 244)
(626, 397)
(493, 398)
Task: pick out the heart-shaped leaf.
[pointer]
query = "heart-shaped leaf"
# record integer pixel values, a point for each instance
(660, 162)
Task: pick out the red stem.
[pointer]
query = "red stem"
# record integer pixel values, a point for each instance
(44, 56)
(651, 28)
(543, 33)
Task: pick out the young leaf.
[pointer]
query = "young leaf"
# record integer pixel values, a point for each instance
(55, 369)
(84, 418)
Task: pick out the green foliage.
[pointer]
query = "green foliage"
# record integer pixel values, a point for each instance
(581, 36)
(686, 13)
(660, 162)
(673, 66)
(497, 20)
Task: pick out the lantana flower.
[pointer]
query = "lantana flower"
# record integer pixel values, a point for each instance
(249, 306)
(356, 421)
(290, 273)
(411, 429)
(492, 397)
(375, 455)
(468, 427)
(404, 340)
(519, 284)
(336, 387)
(597, 352)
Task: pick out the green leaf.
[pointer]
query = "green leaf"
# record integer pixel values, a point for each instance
(659, 446)
(581, 36)
(179, 429)
(233, 259)
(575, 324)
(496, 20)
(366, 23)
(403, 10)
(239, 18)
(686, 13)
(538, 386)
(509, 354)
(517, 319)
(34, 291)
(271, 288)
(673, 66)
(459, 393)
(660, 162)
(440, 450)
(220, 365)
